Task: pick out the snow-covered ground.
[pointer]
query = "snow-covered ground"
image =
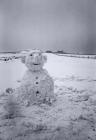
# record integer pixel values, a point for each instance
(73, 114)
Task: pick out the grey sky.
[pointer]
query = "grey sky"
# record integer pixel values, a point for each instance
(48, 24)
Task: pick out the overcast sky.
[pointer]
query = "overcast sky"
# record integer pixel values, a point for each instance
(67, 25)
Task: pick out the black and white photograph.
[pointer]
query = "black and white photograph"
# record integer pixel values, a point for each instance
(47, 70)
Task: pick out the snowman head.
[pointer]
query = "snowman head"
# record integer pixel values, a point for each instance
(34, 60)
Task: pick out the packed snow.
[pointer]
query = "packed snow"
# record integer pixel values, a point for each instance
(71, 117)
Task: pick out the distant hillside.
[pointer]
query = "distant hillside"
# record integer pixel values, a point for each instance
(59, 51)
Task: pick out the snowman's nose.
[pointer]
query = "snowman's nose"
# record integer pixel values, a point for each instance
(36, 59)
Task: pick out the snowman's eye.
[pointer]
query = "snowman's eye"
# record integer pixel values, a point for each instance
(31, 54)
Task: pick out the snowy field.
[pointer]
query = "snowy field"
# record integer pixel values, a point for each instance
(71, 117)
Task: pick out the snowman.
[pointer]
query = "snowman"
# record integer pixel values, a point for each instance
(36, 86)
